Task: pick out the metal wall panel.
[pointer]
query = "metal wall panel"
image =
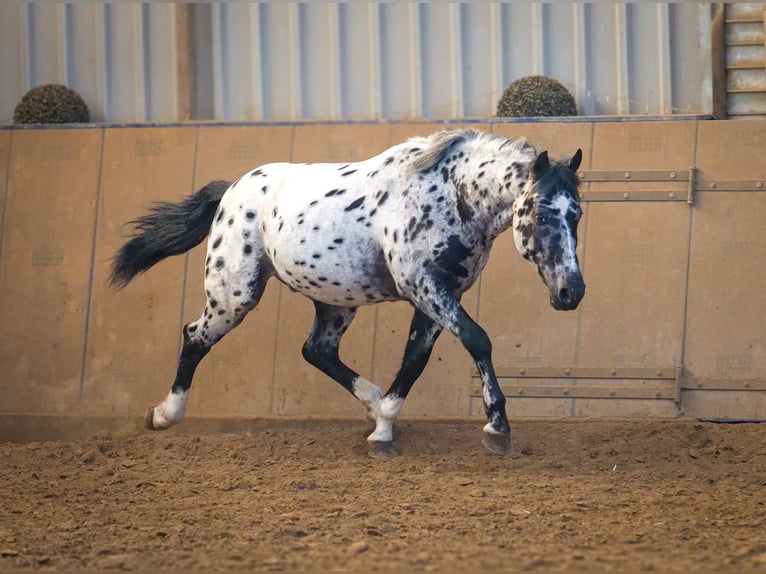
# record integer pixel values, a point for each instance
(306, 61)
(745, 60)
(119, 57)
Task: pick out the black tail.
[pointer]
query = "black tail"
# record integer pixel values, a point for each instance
(169, 229)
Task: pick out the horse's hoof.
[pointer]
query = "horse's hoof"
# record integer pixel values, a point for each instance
(382, 450)
(149, 420)
(498, 444)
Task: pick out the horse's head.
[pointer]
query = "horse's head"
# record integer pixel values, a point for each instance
(545, 222)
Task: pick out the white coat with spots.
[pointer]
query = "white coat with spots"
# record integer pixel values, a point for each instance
(414, 223)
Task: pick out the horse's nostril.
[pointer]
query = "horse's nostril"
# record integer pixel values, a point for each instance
(564, 295)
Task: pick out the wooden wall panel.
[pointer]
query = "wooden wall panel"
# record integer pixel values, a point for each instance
(636, 252)
(5, 156)
(134, 334)
(70, 194)
(726, 330)
(46, 259)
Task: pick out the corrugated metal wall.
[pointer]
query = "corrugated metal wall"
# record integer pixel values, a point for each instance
(291, 61)
(745, 61)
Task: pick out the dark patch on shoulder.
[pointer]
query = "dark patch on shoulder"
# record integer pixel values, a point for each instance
(389, 161)
(250, 215)
(383, 198)
(217, 242)
(258, 171)
(451, 257)
(464, 210)
(219, 263)
(349, 172)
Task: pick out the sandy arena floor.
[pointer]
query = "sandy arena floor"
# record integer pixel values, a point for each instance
(572, 495)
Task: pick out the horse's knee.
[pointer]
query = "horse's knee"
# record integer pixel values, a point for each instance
(317, 354)
(309, 352)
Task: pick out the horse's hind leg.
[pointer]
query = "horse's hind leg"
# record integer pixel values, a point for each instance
(423, 334)
(321, 350)
(229, 298)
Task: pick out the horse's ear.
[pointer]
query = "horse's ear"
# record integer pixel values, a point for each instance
(541, 163)
(574, 163)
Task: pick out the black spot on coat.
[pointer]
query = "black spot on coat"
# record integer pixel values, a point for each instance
(354, 204)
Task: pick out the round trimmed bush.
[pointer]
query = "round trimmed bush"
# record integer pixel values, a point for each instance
(51, 104)
(536, 96)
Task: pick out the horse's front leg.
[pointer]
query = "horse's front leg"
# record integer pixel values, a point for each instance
(445, 309)
(420, 343)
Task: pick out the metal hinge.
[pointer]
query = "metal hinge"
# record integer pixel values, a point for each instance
(682, 184)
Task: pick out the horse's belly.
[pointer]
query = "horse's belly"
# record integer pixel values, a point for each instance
(344, 275)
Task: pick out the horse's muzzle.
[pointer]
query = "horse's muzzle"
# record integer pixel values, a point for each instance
(568, 296)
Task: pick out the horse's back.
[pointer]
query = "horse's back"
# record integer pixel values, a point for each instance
(318, 225)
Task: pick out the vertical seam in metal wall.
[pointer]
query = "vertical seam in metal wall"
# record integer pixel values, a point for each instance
(374, 60)
(26, 19)
(580, 58)
(622, 60)
(294, 17)
(456, 46)
(334, 48)
(139, 70)
(416, 64)
(101, 56)
(63, 43)
(256, 63)
(690, 231)
(174, 63)
(536, 17)
(664, 59)
(220, 109)
(91, 271)
(495, 53)
(705, 40)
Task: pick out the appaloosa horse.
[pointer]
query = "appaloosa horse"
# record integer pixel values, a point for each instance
(414, 223)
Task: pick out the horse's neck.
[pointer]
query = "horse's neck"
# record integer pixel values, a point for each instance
(490, 183)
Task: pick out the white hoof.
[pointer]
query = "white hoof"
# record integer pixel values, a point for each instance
(167, 413)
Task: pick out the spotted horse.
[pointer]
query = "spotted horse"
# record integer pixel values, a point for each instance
(414, 223)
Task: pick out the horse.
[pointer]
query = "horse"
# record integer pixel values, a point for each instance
(414, 223)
